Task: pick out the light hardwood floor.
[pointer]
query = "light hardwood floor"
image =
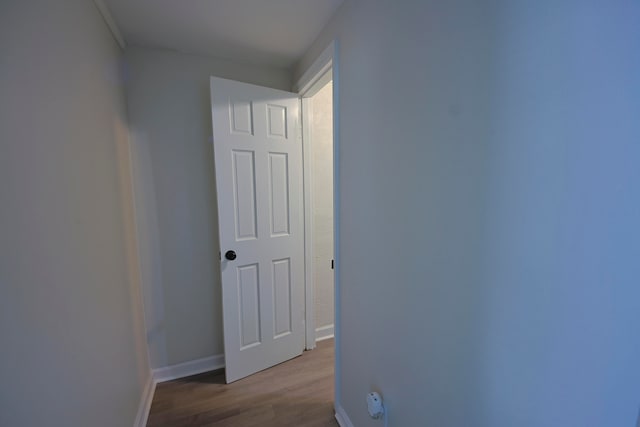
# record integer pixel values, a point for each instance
(295, 393)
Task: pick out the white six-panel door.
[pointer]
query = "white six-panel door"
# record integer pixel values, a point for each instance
(258, 163)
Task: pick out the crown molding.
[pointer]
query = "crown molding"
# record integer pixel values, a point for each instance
(111, 23)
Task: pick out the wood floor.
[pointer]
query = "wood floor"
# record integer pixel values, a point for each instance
(295, 393)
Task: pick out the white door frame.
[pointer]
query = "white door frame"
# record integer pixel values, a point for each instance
(315, 78)
(311, 80)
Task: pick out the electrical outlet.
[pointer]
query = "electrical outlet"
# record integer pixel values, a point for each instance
(374, 405)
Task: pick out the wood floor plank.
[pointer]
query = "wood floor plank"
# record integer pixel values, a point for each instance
(295, 393)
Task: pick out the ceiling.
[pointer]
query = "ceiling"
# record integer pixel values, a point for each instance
(265, 32)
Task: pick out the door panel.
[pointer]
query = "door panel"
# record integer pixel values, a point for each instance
(249, 305)
(244, 188)
(282, 296)
(279, 192)
(258, 162)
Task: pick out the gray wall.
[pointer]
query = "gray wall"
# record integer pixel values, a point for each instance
(73, 350)
(170, 119)
(489, 211)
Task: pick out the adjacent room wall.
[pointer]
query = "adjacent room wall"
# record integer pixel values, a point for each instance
(489, 206)
(73, 351)
(170, 119)
(322, 208)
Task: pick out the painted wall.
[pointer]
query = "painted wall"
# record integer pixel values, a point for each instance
(322, 206)
(170, 119)
(73, 351)
(489, 211)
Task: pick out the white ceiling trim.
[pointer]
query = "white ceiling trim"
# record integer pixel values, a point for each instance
(317, 72)
(108, 19)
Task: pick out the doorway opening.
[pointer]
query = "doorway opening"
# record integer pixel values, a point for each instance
(322, 76)
(276, 203)
(317, 111)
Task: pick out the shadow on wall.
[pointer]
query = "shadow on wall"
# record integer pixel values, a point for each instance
(131, 253)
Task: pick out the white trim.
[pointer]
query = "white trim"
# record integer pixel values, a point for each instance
(189, 368)
(342, 418)
(309, 289)
(324, 333)
(337, 371)
(320, 66)
(145, 403)
(111, 23)
(316, 76)
(328, 60)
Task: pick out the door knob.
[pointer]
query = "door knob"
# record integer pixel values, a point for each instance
(230, 255)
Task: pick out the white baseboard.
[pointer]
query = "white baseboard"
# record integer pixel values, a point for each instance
(342, 418)
(324, 333)
(169, 373)
(145, 403)
(186, 369)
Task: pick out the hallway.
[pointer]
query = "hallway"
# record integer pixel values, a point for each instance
(295, 393)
